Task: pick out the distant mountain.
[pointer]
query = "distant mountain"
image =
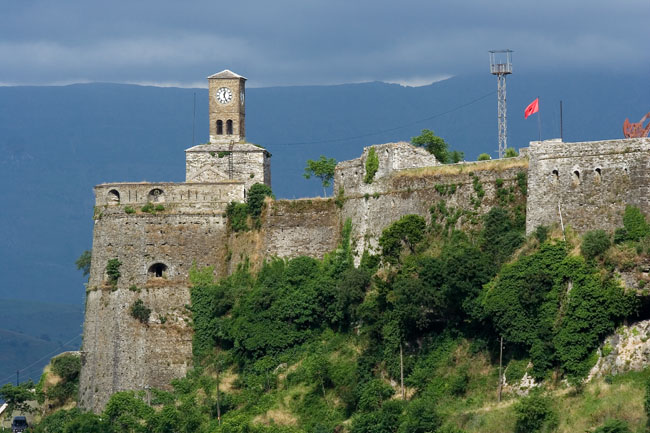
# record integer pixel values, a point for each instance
(57, 142)
(32, 332)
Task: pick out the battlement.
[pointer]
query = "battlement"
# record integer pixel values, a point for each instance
(183, 197)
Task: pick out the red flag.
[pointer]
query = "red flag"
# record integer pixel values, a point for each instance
(532, 108)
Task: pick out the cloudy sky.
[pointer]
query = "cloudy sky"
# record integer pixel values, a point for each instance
(296, 42)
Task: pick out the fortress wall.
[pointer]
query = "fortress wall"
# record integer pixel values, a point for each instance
(120, 353)
(591, 200)
(415, 191)
(183, 197)
(290, 228)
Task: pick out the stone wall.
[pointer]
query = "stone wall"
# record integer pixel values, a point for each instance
(590, 183)
(179, 197)
(211, 163)
(415, 191)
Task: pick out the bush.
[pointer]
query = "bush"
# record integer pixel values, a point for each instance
(484, 157)
(67, 367)
(541, 233)
(594, 244)
(129, 209)
(148, 208)
(613, 426)
(635, 223)
(237, 214)
(140, 312)
(535, 414)
(372, 165)
(510, 153)
(255, 200)
(113, 270)
(620, 235)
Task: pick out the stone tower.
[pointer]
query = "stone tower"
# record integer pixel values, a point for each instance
(227, 157)
(227, 91)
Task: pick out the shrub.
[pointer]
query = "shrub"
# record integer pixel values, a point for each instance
(484, 157)
(535, 414)
(516, 370)
(148, 208)
(372, 165)
(541, 233)
(620, 235)
(635, 223)
(255, 200)
(129, 209)
(159, 208)
(237, 214)
(613, 426)
(140, 312)
(594, 244)
(522, 182)
(510, 153)
(67, 367)
(340, 198)
(113, 270)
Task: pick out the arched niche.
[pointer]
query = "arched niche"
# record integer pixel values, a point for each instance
(157, 270)
(156, 195)
(113, 197)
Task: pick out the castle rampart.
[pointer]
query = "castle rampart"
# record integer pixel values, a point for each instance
(589, 183)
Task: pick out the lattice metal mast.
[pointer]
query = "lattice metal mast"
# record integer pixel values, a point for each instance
(501, 65)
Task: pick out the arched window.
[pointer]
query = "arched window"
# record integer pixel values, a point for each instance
(576, 177)
(598, 174)
(229, 127)
(556, 176)
(113, 197)
(156, 195)
(219, 127)
(157, 270)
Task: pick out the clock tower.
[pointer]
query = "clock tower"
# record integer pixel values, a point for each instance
(227, 92)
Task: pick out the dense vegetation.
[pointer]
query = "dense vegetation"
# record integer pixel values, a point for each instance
(405, 342)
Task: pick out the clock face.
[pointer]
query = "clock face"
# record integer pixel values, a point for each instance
(224, 95)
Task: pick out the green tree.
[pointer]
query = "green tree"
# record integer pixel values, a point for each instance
(510, 153)
(484, 157)
(456, 156)
(83, 262)
(434, 144)
(408, 230)
(322, 168)
(127, 413)
(17, 397)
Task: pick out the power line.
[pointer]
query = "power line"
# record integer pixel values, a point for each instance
(369, 134)
(49, 355)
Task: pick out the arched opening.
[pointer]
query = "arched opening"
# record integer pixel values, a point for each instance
(219, 127)
(576, 177)
(556, 176)
(598, 174)
(229, 127)
(625, 171)
(113, 197)
(156, 195)
(157, 270)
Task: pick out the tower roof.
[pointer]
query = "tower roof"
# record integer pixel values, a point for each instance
(226, 73)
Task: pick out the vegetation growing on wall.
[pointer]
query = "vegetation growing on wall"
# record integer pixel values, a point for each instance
(372, 165)
(140, 311)
(113, 271)
(238, 213)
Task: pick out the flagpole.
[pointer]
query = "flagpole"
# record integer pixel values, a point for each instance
(539, 120)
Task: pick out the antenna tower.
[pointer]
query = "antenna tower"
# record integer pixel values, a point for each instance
(501, 65)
